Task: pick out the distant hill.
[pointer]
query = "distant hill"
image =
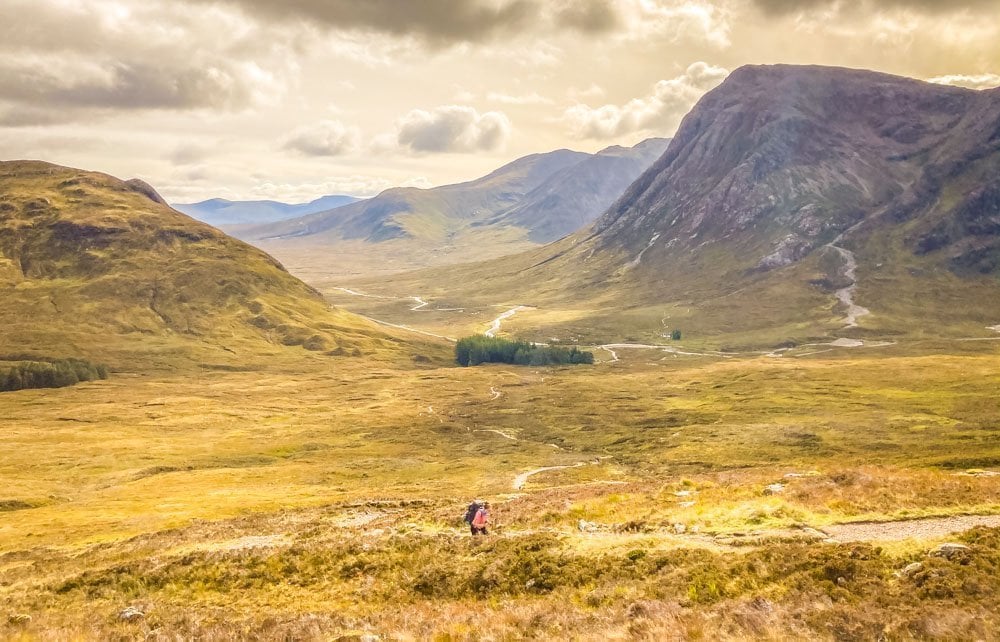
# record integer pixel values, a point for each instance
(529, 201)
(794, 202)
(425, 214)
(95, 267)
(572, 198)
(221, 212)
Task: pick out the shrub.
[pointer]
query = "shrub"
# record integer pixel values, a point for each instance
(56, 373)
(474, 350)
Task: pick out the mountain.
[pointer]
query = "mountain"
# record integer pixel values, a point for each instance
(220, 212)
(572, 198)
(95, 267)
(794, 202)
(533, 199)
(426, 214)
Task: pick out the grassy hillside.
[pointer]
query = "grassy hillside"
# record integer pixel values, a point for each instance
(318, 502)
(92, 267)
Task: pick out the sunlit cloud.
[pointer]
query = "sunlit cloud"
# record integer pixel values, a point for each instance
(325, 138)
(975, 81)
(452, 128)
(658, 113)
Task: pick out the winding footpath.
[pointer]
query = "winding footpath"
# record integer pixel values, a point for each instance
(522, 479)
(495, 325)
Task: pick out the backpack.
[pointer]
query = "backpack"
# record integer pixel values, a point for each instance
(470, 513)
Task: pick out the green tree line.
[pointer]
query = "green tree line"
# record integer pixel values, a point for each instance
(56, 373)
(474, 350)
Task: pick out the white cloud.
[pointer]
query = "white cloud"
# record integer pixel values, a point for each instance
(976, 81)
(675, 21)
(451, 128)
(659, 113)
(325, 138)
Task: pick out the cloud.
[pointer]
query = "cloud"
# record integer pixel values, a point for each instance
(452, 128)
(188, 154)
(658, 113)
(325, 138)
(780, 7)
(688, 20)
(440, 22)
(976, 81)
(114, 55)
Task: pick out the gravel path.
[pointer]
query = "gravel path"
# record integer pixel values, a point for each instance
(927, 528)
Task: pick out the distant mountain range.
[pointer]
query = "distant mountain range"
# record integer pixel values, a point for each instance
(532, 200)
(547, 195)
(220, 212)
(794, 202)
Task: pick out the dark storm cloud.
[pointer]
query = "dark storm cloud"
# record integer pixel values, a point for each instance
(779, 7)
(440, 22)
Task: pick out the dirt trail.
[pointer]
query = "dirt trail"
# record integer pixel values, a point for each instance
(522, 479)
(503, 434)
(495, 326)
(494, 393)
(408, 328)
(926, 528)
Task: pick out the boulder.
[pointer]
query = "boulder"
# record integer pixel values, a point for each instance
(131, 614)
(19, 619)
(911, 569)
(950, 550)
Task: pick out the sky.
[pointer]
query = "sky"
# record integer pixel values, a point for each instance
(293, 99)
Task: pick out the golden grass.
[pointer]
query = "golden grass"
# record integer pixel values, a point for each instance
(205, 465)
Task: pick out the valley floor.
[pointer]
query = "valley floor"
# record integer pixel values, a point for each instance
(658, 496)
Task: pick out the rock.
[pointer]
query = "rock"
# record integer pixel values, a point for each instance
(774, 489)
(683, 493)
(680, 529)
(910, 570)
(586, 527)
(950, 550)
(686, 504)
(19, 619)
(841, 581)
(131, 614)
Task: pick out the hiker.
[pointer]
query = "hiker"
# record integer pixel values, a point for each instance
(481, 520)
(470, 513)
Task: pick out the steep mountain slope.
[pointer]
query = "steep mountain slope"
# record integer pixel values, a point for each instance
(221, 212)
(94, 267)
(425, 214)
(572, 198)
(793, 203)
